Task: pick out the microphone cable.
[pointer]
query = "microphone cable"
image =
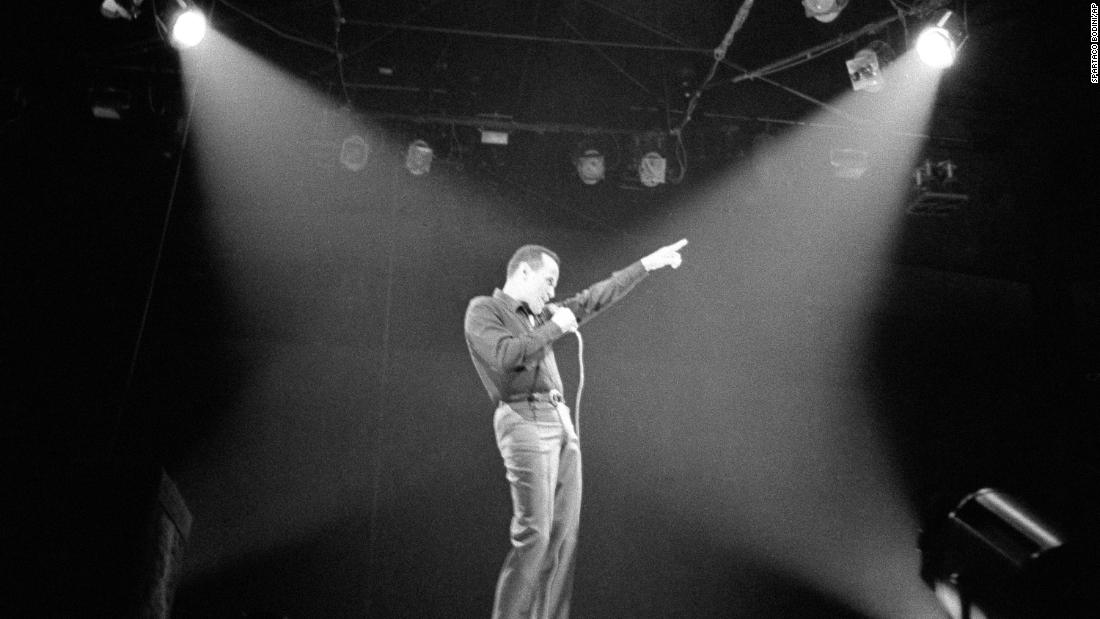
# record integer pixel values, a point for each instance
(580, 379)
(580, 383)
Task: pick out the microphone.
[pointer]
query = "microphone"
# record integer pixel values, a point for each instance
(549, 310)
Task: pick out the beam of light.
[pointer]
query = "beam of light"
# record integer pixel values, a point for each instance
(299, 451)
(267, 153)
(766, 438)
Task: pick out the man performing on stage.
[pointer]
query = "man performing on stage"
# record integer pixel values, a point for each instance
(510, 336)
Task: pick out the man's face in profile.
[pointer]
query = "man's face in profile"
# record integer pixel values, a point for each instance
(539, 283)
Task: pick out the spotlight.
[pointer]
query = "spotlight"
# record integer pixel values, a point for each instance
(824, 10)
(865, 69)
(418, 160)
(939, 43)
(992, 557)
(590, 166)
(651, 169)
(125, 9)
(188, 26)
(354, 153)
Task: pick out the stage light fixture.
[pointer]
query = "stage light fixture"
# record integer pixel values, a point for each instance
(124, 9)
(865, 68)
(865, 72)
(651, 169)
(188, 25)
(824, 11)
(940, 41)
(418, 159)
(354, 153)
(590, 166)
(992, 557)
(937, 189)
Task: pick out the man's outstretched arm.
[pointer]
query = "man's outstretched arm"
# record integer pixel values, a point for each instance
(597, 297)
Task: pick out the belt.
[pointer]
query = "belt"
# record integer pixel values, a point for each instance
(553, 397)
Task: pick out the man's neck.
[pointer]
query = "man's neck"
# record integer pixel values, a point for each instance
(511, 289)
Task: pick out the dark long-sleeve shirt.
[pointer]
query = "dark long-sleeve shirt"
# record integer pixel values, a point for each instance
(515, 358)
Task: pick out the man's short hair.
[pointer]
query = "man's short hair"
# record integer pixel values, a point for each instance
(532, 255)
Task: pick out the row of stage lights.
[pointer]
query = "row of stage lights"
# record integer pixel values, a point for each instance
(937, 45)
(650, 167)
(935, 190)
(932, 181)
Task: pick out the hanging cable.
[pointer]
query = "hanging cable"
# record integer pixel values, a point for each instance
(580, 382)
(901, 9)
(719, 56)
(338, 19)
(815, 51)
(732, 65)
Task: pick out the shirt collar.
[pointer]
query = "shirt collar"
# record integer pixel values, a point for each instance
(513, 304)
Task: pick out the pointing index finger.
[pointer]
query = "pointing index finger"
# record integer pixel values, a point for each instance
(678, 245)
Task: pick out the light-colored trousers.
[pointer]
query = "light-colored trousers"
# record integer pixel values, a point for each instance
(542, 457)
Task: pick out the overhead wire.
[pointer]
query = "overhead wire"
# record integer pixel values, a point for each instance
(901, 8)
(522, 86)
(719, 55)
(681, 46)
(815, 51)
(610, 60)
(277, 31)
(338, 21)
(791, 62)
(725, 62)
(376, 40)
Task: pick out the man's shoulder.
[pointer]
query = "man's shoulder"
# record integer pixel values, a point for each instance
(482, 303)
(481, 311)
(482, 300)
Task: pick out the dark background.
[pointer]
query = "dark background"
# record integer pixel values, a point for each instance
(299, 368)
